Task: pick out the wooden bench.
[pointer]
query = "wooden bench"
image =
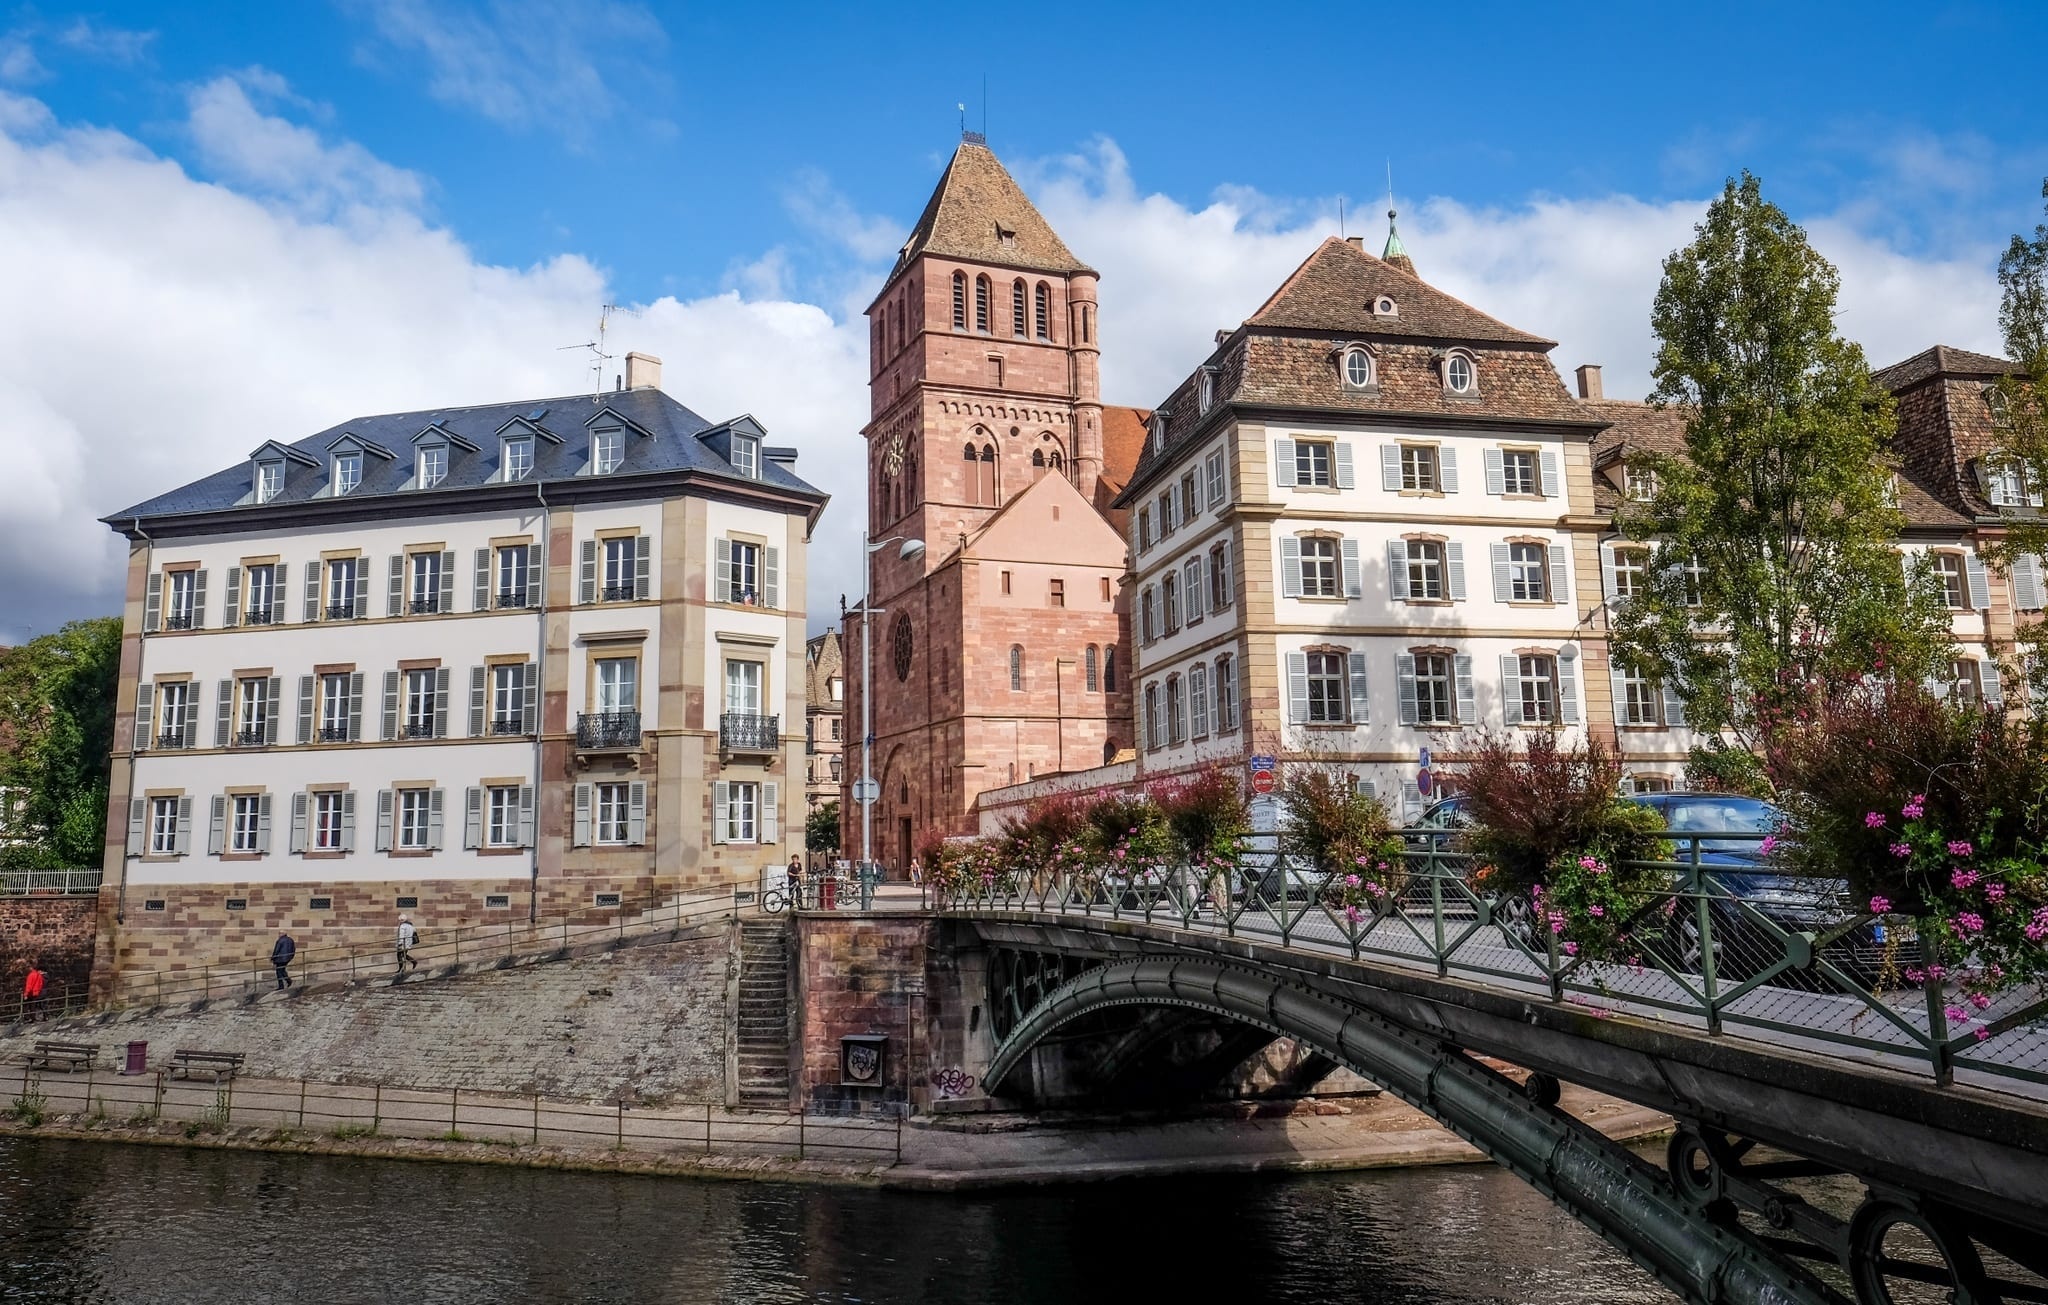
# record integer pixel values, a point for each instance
(217, 1065)
(68, 1057)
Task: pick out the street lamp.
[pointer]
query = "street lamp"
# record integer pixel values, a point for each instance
(911, 549)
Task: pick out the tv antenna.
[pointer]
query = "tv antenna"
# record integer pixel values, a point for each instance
(598, 356)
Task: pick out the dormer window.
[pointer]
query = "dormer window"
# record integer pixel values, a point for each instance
(1994, 399)
(1460, 375)
(348, 472)
(1384, 306)
(1357, 369)
(1639, 483)
(269, 479)
(2005, 484)
(1207, 388)
(746, 455)
(1158, 432)
(518, 457)
(433, 465)
(607, 451)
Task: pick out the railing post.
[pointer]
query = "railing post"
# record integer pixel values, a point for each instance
(1436, 904)
(302, 1103)
(800, 1135)
(454, 1109)
(1704, 921)
(1940, 1059)
(377, 1108)
(536, 1119)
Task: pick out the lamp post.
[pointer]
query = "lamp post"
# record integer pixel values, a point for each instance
(911, 548)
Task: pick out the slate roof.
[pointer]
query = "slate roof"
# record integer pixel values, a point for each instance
(1942, 360)
(976, 203)
(1334, 287)
(669, 438)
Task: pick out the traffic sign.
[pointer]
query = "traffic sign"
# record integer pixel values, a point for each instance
(1424, 781)
(1262, 762)
(867, 791)
(1424, 761)
(1262, 781)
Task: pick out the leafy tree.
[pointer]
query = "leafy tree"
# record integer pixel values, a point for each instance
(821, 828)
(57, 708)
(1776, 568)
(2022, 400)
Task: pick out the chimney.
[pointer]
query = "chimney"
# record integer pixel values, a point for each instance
(643, 371)
(1356, 242)
(1589, 380)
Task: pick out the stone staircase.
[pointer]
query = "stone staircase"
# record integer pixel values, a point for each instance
(763, 1016)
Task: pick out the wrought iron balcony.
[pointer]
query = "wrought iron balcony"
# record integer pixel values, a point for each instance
(251, 738)
(259, 616)
(512, 598)
(334, 733)
(173, 739)
(617, 594)
(341, 611)
(508, 725)
(607, 731)
(746, 731)
(419, 729)
(425, 606)
(175, 622)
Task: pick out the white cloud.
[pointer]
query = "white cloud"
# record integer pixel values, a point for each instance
(18, 63)
(264, 153)
(115, 45)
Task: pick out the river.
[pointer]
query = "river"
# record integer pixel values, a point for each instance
(83, 1221)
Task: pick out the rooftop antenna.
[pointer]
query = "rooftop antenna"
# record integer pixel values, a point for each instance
(962, 106)
(1390, 187)
(1340, 217)
(984, 106)
(598, 357)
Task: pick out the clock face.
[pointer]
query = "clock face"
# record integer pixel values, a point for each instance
(902, 641)
(892, 458)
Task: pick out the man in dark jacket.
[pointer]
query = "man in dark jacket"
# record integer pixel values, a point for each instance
(281, 956)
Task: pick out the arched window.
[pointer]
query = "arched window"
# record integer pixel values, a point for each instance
(1044, 311)
(959, 301)
(1037, 463)
(1109, 670)
(981, 304)
(1461, 374)
(971, 453)
(985, 482)
(1016, 668)
(1055, 460)
(1089, 666)
(1017, 324)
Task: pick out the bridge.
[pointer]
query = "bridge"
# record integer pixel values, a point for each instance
(1841, 1134)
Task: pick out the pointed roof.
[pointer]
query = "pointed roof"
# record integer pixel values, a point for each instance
(1943, 360)
(1396, 253)
(979, 213)
(1336, 287)
(1030, 528)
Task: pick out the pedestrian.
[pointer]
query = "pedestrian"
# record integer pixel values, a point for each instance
(916, 873)
(408, 938)
(796, 878)
(281, 953)
(32, 992)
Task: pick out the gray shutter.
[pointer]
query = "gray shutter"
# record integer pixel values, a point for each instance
(526, 815)
(362, 598)
(1447, 470)
(447, 595)
(1297, 687)
(273, 707)
(721, 570)
(1454, 571)
(1354, 585)
(473, 817)
(1548, 464)
(771, 572)
(313, 612)
(199, 599)
(224, 713)
(1568, 691)
(636, 813)
(441, 678)
(1994, 684)
(232, 612)
(355, 707)
(643, 563)
(534, 574)
(394, 596)
(1674, 702)
(383, 820)
(153, 602)
(529, 712)
(1496, 471)
(1404, 679)
(138, 828)
(1290, 566)
(183, 846)
(189, 727)
(298, 834)
(2027, 589)
(1503, 589)
(1198, 701)
(1397, 570)
(217, 825)
(306, 708)
(1511, 687)
(581, 835)
(1980, 582)
(1468, 692)
(390, 705)
(348, 821)
(1607, 581)
(721, 801)
(145, 707)
(434, 819)
(483, 580)
(587, 586)
(1390, 467)
(478, 726)
(1346, 478)
(770, 824)
(1283, 463)
(1618, 686)
(1361, 698)
(1560, 578)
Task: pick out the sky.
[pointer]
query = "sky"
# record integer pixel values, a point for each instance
(222, 223)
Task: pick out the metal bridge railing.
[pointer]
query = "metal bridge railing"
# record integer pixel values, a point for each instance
(22, 883)
(1795, 966)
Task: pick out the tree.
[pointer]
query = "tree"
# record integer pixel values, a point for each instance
(1777, 571)
(57, 708)
(821, 828)
(2020, 412)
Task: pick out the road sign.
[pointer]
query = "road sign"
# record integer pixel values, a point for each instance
(1424, 781)
(1262, 763)
(1424, 760)
(1262, 781)
(867, 791)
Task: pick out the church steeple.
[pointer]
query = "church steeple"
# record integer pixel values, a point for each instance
(1396, 252)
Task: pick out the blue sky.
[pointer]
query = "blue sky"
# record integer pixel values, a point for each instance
(326, 208)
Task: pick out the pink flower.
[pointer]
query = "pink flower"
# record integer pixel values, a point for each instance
(1571, 949)
(1373, 888)
(1958, 849)
(1351, 881)
(1982, 1034)
(1961, 878)
(1915, 807)
(1901, 849)
(1980, 1001)
(1880, 905)
(1916, 976)
(1955, 1012)
(1588, 863)
(1768, 846)
(1352, 914)
(1874, 820)
(1996, 892)
(1598, 911)
(1970, 922)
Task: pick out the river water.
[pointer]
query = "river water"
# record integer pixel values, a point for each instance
(83, 1221)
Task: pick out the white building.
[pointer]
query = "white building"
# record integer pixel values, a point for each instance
(471, 664)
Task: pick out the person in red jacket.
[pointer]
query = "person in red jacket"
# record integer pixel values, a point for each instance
(32, 992)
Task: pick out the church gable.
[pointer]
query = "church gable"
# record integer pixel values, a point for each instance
(1048, 522)
(980, 214)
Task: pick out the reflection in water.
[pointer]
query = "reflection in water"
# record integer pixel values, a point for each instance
(95, 1222)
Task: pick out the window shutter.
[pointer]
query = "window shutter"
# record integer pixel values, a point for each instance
(1215, 469)
(1361, 699)
(313, 591)
(1290, 566)
(348, 821)
(1511, 687)
(199, 599)
(1548, 464)
(183, 845)
(1674, 704)
(1404, 680)
(390, 705)
(1447, 469)
(394, 595)
(231, 614)
(1224, 585)
(1198, 700)
(1618, 686)
(355, 707)
(362, 600)
(305, 709)
(1297, 688)
(636, 813)
(529, 692)
(273, 707)
(1496, 471)
(145, 707)
(1454, 571)
(1607, 582)
(298, 834)
(483, 580)
(478, 726)
(1354, 585)
(2027, 590)
(1468, 695)
(217, 825)
(1390, 468)
(721, 800)
(434, 819)
(1567, 691)
(1994, 684)
(1503, 591)
(153, 603)
(473, 817)
(1397, 570)
(1980, 582)
(771, 812)
(1283, 463)
(138, 828)
(1560, 578)
(526, 815)
(771, 578)
(447, 595)
(1193, 595)
(533, 574)
(643, 564)
(721, 573)
(189, 727)
(586, 588)
(441, 678)
(1346, 478)
(223, 713)
(581, 836)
